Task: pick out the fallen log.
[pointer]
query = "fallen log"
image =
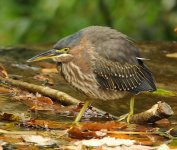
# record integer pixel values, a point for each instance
(157, 112)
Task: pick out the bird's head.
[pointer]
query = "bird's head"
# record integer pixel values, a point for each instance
(61, 51)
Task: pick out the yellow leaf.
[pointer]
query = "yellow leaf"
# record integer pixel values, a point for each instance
(172, 55)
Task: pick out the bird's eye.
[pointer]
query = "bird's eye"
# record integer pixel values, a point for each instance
(66, 49)
(63, 50)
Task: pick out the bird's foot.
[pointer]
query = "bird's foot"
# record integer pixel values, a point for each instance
(129, 117)
(82, 111)
(122, 117)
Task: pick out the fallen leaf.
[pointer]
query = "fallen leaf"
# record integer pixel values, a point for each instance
(39, 140)
(13, 117)
(4, 90)
(49, 70)
(172, 55)
(75, 132)
(47, 124)
(43, 78)
(45, 64)
(120, 136)
(48, 67)
(133, 147)
(108, 141)
(140, 139)
(109, 125)
(68, 110)
(87, 130)
(3, 72)
(45, 99)
(10, 139)
(25, 146)
(35, 102)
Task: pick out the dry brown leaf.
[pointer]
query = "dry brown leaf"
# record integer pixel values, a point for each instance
(48, 67)
(10, 139)
(4, 90)
(48, 124)
(9, 117)
(36, 102)
(43, 103)
(173, 147)
(49, 70)
(120, 136)
(45, 99)
(109, 125)
(87, 130)
(17, 117)
(45, 64)
(43, 78)
(68, 110)
(3, 72)
(76, 133)
(27, 147)
(145, 142)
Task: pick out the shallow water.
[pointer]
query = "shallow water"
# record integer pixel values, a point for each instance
(164, 70)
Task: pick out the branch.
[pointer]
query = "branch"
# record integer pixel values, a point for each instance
(62, 97)
(157, 112)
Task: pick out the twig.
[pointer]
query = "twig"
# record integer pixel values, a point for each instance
(157, 112)
(164, 134)
(18, 132)
(62, 97)
(131, 132)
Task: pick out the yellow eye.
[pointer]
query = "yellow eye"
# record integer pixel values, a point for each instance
(64, 50)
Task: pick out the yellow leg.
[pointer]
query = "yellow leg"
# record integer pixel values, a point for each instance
(131, 112)
(82, 111)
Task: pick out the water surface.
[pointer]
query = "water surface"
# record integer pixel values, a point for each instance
(163, 68)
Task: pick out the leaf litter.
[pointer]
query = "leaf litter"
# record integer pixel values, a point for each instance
(92, 135)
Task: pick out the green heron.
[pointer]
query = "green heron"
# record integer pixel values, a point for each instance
(102, 63)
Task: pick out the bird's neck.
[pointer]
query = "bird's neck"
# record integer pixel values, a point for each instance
(72, 72)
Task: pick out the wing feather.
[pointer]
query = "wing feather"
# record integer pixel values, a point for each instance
(123, 77)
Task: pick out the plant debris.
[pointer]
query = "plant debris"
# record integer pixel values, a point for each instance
(34, 133)
(3, 72)
(39, 140)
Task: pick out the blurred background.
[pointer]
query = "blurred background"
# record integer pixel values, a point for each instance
(45, 21)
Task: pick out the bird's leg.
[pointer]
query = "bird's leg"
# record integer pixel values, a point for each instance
(132, 101)
(82, 111)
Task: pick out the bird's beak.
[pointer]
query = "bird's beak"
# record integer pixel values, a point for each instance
(46, 55)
